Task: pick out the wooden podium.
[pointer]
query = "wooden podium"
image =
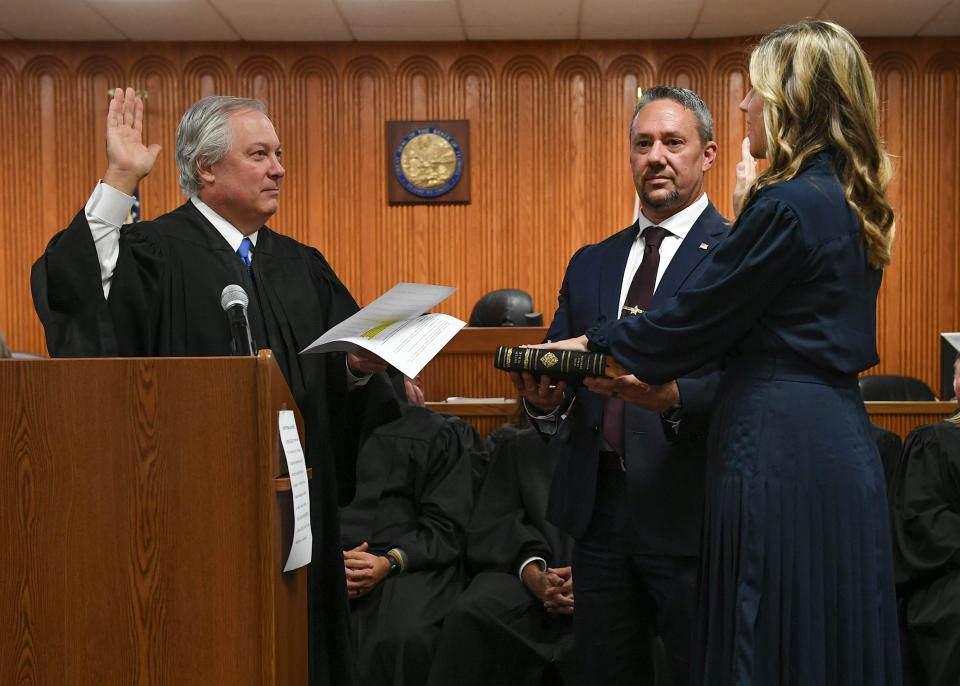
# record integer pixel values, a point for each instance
(144, 523)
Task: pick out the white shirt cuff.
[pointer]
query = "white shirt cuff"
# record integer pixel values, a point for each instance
(548, 423)
(109, 205)
(354, 380)
(529, 409)
(541, 563)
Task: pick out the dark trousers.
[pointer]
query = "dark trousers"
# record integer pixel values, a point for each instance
(625, 598)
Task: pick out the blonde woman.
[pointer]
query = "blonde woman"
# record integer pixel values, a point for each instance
(925, 498)
(796, 573)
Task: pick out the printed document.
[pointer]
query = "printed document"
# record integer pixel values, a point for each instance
(395, 328)
(302, 546)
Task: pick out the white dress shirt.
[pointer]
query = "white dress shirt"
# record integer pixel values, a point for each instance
(678, 225)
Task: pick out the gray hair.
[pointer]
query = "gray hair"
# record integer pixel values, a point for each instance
(204, 135)
(684, 97)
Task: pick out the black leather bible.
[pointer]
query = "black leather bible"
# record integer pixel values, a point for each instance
(567, 365)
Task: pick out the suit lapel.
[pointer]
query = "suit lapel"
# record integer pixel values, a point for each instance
(612, 264)
(699, 242)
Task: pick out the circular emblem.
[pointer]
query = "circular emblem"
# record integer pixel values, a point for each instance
(428, 162)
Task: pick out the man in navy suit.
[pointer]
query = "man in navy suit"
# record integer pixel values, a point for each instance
(628, 484)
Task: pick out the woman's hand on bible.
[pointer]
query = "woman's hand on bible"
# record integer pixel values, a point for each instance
(632, 390)
(578, 344)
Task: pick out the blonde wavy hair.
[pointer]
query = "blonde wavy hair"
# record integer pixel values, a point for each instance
(819, 94)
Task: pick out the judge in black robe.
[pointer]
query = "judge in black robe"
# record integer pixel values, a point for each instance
(413, 500)
(926, 526)
(499, 632)
(164, 300)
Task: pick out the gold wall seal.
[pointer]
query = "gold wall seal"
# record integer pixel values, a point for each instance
(428, 161)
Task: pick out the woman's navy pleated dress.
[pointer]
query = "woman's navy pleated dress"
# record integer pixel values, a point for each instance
(797, 577)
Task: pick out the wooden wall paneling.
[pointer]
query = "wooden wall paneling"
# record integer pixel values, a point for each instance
(428, 234)
(311, 152)
(531, 174)
(571, 138)
(548, 142)
(96, 75)
(472, 91)
(943, 79)
(204, 75)
(367, 84)
(17, 321)
(48, 119)
(159, 192)
(729, 83)
(623, 76)
(898, 334)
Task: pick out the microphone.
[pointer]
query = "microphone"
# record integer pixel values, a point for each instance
(234, 302)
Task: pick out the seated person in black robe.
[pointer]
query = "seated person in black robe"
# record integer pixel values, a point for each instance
(153, 289)
(926, 529)
(403, 538)
(514, 619)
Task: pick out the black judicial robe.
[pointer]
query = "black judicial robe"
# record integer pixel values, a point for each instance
(889, 446)
(165, 301)
(926, 523)
(414, 492)
(498, 632)
(509, 523)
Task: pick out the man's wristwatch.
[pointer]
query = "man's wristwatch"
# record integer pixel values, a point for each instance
(672, 414)
(396, 559)
(394, 565)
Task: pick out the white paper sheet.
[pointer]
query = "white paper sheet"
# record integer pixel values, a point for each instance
(390, 328)
(302, 546)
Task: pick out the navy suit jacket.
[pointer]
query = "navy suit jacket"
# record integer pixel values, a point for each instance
(665, 468)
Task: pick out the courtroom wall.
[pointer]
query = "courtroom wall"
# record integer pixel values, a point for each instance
(548, 152)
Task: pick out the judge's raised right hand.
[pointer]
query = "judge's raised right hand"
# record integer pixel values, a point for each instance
(128, 159)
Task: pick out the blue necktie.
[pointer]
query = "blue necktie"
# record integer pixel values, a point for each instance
(244, 252)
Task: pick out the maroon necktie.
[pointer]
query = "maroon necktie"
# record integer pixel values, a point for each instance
(638, 299)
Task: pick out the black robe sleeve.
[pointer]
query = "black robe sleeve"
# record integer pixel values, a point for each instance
(68, 295)
(413, 492)
(926, 505)
(444, 495)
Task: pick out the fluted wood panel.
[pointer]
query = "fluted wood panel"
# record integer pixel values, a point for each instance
(548, 146)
